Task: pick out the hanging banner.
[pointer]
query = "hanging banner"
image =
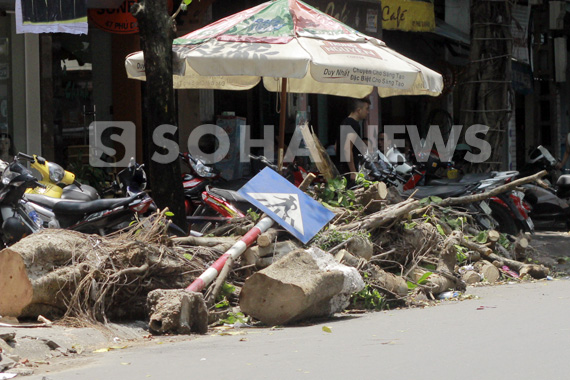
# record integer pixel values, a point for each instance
(519, 31)
(51, 16)
(408, 15)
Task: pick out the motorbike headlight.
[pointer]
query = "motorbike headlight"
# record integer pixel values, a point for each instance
(56, 172)
(8, 176)
(203, 170)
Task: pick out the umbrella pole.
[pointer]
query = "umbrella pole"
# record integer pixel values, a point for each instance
(282, 119)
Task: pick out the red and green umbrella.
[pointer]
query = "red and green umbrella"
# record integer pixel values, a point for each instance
(295, 48)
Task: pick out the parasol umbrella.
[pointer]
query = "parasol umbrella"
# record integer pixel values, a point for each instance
(294, 48)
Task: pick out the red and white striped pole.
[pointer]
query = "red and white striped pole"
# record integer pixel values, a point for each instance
(235, 251)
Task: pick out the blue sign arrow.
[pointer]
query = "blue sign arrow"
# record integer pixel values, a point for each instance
(294, 210)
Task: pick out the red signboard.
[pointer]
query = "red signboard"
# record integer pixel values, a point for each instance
(117, 20)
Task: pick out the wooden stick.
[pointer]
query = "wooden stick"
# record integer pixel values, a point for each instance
(267, 238)
(204, 241)
(219, 282)
(496, 191)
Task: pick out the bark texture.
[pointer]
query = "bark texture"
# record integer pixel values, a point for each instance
(157, 33)
(487, 84)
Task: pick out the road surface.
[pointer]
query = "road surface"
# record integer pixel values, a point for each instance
(513, 331)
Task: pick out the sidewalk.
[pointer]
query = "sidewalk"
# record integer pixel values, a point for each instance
(34, 346)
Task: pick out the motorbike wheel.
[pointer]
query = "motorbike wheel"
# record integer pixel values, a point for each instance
(174, 230)
(505, 221)
(205, 226)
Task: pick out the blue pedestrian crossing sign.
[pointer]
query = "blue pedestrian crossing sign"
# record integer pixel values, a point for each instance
(294, 210)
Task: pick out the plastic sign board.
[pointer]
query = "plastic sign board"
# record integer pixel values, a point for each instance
(294, 210)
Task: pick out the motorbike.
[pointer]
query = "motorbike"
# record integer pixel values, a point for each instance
(101, 216)
(207, 206)
(405, 178)
(550, 204)
(508, 212)
(17, 221)
(57, 182)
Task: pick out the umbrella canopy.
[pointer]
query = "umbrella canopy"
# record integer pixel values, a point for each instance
(290, 39)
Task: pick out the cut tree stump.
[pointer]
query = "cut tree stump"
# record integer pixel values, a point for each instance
(15, 287)
(268, 237)
(59, 272)
(488, 271)
(471, 277)
(177, 311)
(303, 284)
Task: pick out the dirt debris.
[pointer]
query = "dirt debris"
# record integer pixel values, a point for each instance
(405, 250)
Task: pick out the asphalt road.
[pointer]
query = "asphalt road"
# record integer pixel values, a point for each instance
(513, 331)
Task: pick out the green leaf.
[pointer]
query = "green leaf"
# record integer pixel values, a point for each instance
(424, 201)
(228, 288)
(434, 199)
(481, 238)
(188, 256)
(409, 226)
(168, 213)
(187, 2)
(440, 229)
(411, 285)
(224, 303)
(327, 329)
(424, 278)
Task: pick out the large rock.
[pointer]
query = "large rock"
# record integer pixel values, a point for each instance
(177, 312)
(303, 284)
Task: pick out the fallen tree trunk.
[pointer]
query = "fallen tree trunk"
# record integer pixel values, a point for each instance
(390, 214)
(59, 272)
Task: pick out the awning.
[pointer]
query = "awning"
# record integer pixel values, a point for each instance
(450, 32)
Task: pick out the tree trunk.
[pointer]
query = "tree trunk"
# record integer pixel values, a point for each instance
(56, 272)
(487, 83)
(157, 33)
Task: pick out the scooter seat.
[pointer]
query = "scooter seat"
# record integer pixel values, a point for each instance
(82, 208)
(44, 200)
(229, 195)
(466, 179)
(438, 191)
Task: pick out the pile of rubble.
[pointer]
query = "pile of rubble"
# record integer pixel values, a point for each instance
(379, 251)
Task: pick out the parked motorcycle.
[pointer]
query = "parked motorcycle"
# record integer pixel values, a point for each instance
(550, 204)
(17, 221)
(207, 206)
(57, 182)
(508, 211)
(101, 216)
(404, 177)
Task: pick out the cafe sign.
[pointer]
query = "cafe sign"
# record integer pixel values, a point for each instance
(408, 15)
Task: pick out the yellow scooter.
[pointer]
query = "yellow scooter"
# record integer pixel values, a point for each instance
(58, 182)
